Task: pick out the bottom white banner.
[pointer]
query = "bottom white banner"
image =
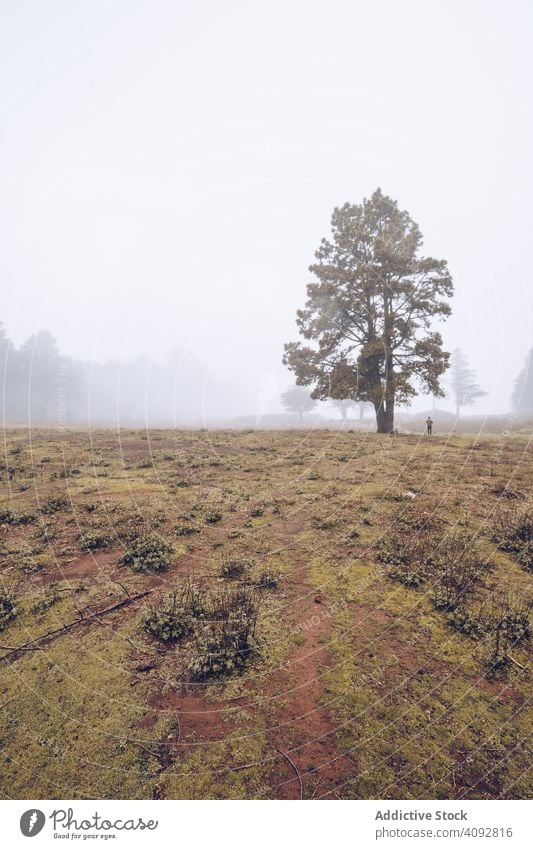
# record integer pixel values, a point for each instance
(249, 824)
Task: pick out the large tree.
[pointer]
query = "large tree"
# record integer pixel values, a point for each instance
(522, 397)
(369, 315)
(465, 390)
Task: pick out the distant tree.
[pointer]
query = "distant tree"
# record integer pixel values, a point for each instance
(363, 408)
(343, 405)
(6, 349)
(463, 384)
(297, 400)
(7, 353)
(39, 366)
(369, 316)
(522, 397)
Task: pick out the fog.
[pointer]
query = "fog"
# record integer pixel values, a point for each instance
(169, 168)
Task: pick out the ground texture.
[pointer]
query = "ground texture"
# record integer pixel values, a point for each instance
(377, 669)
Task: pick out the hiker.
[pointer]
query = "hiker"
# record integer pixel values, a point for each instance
(429, 425)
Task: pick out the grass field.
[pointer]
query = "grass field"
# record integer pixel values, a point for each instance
(298, 614)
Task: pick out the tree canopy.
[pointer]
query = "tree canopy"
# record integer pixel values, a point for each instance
(369, 315)
(522, 397)
(463, 384)
(296, 399)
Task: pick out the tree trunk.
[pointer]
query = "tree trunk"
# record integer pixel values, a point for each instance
(390, 392)
(385, 416)
(389, 416)
(385, 406)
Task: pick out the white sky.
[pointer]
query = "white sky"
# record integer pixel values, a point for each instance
(168, 168)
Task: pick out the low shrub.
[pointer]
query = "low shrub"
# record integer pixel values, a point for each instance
(394, 550)
(408, 575)
(185, 530)
(470, 619)
(225, 641)
(93, 540)
(324, 523)
(458, 568)
(45, 600)
(12, 517)
(173, 616)
(416, 518)
(147, 553)
(213, 517)
(8, 608)
(233, 569)
(268, 580)
(69, 473)
(170, 620)
(501, 490)
(510, 624)
(525, 556)
(53, 505)
(451, 562)
(220, 653)
(232, 604)
(513, 529)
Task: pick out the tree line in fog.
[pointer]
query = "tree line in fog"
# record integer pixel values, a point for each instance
(43, 386)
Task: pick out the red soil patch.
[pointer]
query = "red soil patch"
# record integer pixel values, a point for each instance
(85, 566)
(308, 762)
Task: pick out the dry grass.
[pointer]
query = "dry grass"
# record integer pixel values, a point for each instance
(359, 602)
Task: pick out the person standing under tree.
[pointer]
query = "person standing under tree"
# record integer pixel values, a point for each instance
(429, 425)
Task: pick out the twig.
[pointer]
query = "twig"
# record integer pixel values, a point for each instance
(295, 768)
(122, 587)
(512, 659)
(31, 645)
(129, 640)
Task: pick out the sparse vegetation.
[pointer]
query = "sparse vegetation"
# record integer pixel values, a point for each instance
(93, 540)
(268, 580)
(14, 517)
(510, 624)
(53, 505)
(147, 553)
(391, 595)
(46, 599)
(173, 617)
(513, 532)
(420, 549)
(233, 569)
(8, 608)
(213, 517)
(186, 530)
(225, 642)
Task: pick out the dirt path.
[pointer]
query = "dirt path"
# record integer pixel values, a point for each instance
(303, 733)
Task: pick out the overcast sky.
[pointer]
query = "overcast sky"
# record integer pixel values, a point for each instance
(168, 168)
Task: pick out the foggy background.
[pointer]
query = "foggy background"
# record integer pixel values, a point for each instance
(169, 168)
